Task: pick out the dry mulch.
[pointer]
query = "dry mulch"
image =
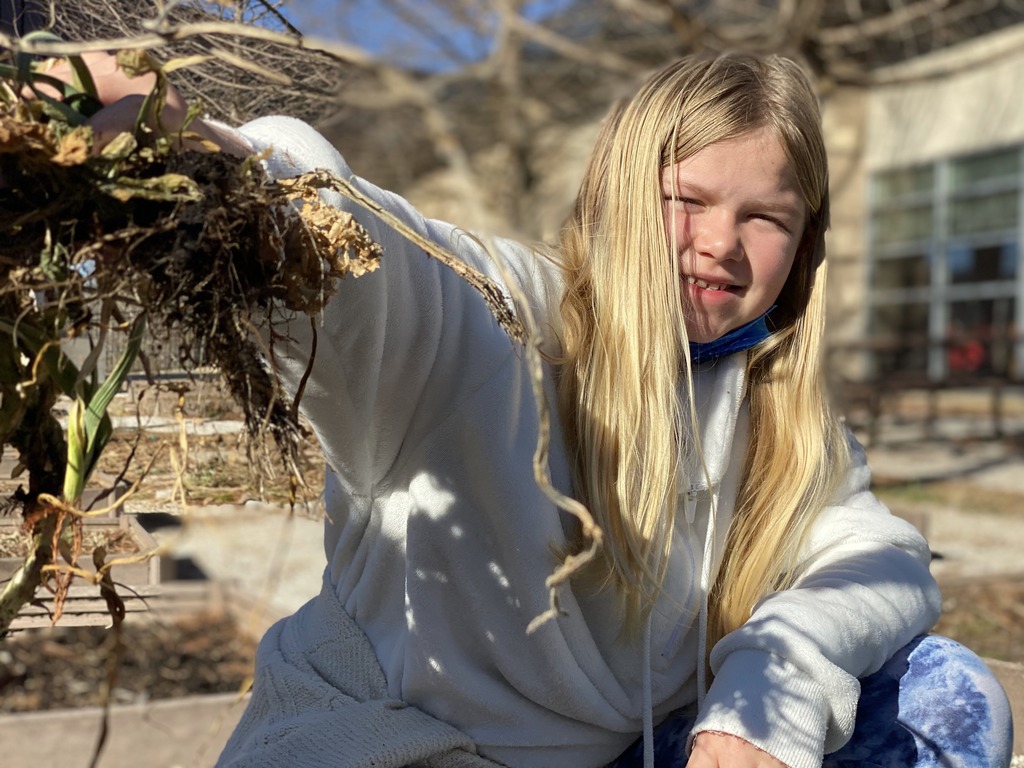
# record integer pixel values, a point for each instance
(986, 615)
(117, 541)
(66, 667)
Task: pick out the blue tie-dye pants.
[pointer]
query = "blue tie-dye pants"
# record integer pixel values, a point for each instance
(933, 705)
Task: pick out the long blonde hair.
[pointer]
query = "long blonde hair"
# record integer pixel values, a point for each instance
(625, 344)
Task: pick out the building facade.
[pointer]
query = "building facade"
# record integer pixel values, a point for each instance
(928, 222)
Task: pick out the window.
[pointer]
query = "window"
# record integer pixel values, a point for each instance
(946, 292)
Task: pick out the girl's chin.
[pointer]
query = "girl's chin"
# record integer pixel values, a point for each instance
(706, 335)
(700, 338)
(708, 328)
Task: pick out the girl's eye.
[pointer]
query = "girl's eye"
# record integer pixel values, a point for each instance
(772, 220)
(686, 202)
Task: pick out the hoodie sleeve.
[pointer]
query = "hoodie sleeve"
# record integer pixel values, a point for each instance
(397, 349)
(787, 680)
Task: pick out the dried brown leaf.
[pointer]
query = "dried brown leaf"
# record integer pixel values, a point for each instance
(354, 252)
(74, 148)
(18, 136)
(137, 62)
(120, 147)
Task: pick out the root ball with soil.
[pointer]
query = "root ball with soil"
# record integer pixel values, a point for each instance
(190, 251)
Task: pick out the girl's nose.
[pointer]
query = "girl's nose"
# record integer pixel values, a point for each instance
(716, 235)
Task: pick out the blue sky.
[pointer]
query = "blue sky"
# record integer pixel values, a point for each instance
(369, 24)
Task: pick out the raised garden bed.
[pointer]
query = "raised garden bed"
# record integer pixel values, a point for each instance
(65, 667)
(123, 537)
(175, 699)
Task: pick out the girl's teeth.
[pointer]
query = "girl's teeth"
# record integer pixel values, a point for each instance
(705, 285)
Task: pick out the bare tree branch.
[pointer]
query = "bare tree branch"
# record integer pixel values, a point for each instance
(274, 78)
(565, 47)
(894, 21)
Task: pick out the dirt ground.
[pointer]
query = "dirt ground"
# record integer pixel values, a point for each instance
(964, 488)
(987, 616)
(68, 667)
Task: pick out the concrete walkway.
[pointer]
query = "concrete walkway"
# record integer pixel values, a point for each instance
(179, 733)
(267, 553)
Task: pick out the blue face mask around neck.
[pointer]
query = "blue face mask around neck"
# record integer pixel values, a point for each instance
(736, 340)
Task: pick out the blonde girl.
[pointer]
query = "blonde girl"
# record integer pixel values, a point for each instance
(748, 603)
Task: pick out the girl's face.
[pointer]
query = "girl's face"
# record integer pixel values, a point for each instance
(734, 217)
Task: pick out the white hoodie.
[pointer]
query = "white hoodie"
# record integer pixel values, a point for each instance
(439, 539)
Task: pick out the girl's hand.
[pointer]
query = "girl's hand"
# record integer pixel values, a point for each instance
(112, 84)
(120, 94)
(712, 749)
(123, 97)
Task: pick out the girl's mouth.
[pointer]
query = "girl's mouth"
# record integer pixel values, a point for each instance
(706, 285)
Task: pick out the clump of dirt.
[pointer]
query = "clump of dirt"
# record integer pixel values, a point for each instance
(67, 667)
(161, 238)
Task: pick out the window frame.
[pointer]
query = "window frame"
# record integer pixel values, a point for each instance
(940, 293)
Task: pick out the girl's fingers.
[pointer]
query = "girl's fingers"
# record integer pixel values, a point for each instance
(114, 120)
(122, 115)
(722, 750)
(122, 95)
(112, 84)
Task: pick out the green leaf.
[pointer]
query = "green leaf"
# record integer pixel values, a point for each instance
(169, 187)
(84, 104)
(100, 401)
(82, 77)
(66, 90)
(152, 104)
(96, 422)
(23, 61)
(42, 36)
(194, 111)
(75, 472)
(100, 437)
(79, 99)
(58, 110)
(80, 102)
(53, 258)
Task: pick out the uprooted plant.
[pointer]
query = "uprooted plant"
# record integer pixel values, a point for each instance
(152, 242)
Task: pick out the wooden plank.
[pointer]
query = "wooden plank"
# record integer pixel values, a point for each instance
(85, 607)
(133, 575)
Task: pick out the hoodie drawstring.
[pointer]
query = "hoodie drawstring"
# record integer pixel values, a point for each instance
(648, 699)
(705, 588)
